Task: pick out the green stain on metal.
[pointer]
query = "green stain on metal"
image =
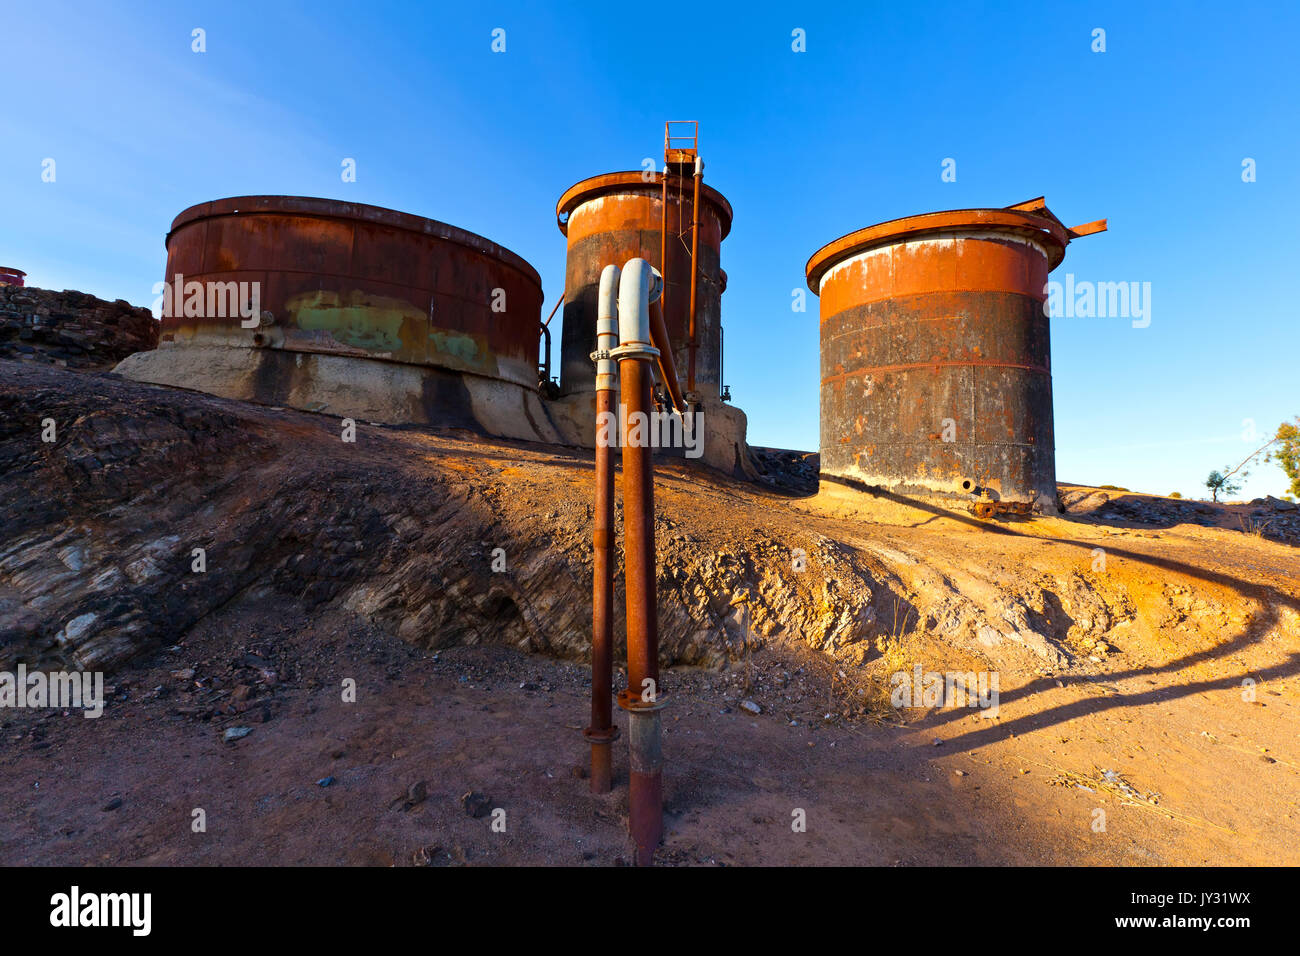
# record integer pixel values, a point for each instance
(456, 345)
(369, 322)
(381, 324)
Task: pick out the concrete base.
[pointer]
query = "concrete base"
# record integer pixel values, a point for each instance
(833, 487)
(364, 389)
(724, 446)
(398, 394)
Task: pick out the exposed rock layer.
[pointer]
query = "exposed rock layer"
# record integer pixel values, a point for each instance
(71, 329)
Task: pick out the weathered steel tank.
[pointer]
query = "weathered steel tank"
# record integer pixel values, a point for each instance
(620, 216)
(360, 311)
(14, 277)
(935, 354)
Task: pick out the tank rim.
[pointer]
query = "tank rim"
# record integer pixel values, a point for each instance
(605, 183)
(343, 211)
(1051, 234)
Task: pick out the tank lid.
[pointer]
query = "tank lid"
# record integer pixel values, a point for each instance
(350, 211)
(1031, 220)
(9, 271)
(589, 189)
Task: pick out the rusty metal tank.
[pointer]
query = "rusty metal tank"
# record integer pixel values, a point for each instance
(346, 279)
(13, 277)
(935, 353)
(616, 217)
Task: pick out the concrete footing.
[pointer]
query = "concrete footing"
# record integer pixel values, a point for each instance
(396, 393)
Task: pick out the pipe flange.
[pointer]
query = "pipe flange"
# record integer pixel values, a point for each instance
(606, 736)
(633, 704)
(599, 354)
(656, 285)
(634, 350)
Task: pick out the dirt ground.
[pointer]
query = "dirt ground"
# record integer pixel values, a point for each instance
(943, 788)
(1147, 661)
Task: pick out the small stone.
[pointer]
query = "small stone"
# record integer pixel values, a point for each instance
(112, 804)
(325, 782)
(417, 793)
(750, 706)
(960, 773)
(476, 804)
(938, 742)
(185, 673)
(425, 855)
(236, 733)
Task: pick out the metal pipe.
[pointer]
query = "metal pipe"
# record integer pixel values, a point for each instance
(695, 271)
(642, 700)
(663, 233)
(554, 310)
(667, 364)
(602, 732)
(544, 367)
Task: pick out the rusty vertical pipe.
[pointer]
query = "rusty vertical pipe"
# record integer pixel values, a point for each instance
(642, 699)
(602, 732)
(663, 237)
(638, 528)
(544, 366)
(695, 271)
(667, 366)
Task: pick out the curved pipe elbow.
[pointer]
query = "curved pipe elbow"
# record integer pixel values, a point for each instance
(634, 288)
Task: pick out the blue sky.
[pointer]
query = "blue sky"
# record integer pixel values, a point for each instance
(1150, 134)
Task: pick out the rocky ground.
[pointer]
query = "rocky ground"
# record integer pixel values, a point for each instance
(232, 565)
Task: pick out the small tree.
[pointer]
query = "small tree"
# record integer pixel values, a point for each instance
(1220, 483)
(1224, 483)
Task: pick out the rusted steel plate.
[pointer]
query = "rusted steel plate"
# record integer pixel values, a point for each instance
(1047, 232)
(349, 279)
(616, 217)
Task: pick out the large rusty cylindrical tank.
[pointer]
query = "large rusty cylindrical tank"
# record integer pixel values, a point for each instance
(617, 217)
(354, 280)
(13, 277)
(349, 310)
(935, 355)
